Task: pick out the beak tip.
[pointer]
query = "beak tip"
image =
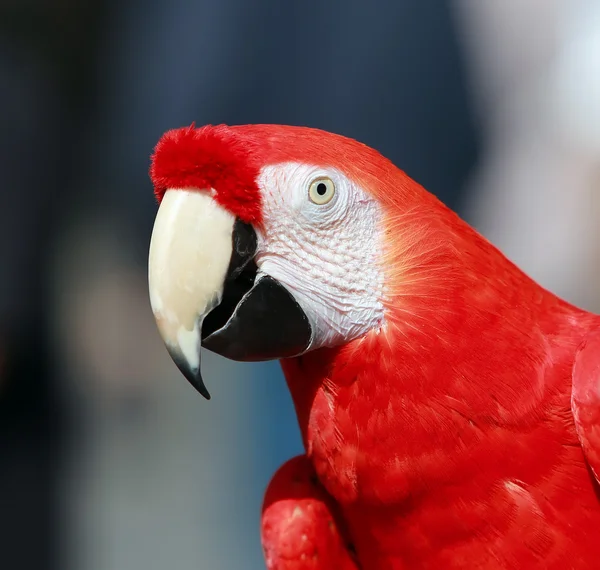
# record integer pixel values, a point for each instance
(195, 379)
(203, 391)
(193, 376)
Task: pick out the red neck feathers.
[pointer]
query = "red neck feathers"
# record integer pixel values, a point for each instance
(470, 347)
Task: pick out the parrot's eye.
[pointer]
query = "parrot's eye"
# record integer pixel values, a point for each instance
(321, 191)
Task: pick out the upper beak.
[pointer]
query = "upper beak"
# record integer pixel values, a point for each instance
(205, 289)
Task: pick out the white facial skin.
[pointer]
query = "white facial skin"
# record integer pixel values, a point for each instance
(327, 255)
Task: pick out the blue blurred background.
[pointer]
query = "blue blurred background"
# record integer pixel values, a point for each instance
(108, 458)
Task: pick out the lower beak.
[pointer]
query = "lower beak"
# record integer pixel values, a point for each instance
(205, 289)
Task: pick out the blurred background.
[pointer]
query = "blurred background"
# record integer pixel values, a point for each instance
(108, 458)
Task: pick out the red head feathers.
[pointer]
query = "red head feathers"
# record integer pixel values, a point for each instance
(229, 159)
(209, 157)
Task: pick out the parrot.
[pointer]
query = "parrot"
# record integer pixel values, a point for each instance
(449, 405)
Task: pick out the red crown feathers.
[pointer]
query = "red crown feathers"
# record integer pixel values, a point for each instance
(214, 157)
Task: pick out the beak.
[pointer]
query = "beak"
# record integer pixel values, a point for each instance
(206, 290)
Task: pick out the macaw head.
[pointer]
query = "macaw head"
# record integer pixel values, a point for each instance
(271, 241)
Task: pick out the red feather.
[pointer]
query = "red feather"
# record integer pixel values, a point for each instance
(586, 399)
(301, 527)
(205, 158)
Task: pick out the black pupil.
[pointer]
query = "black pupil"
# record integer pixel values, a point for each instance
(321, 189)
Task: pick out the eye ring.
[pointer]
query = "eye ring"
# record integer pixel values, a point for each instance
(321, 191)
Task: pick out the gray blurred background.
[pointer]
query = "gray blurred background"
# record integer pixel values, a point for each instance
(108, 458)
